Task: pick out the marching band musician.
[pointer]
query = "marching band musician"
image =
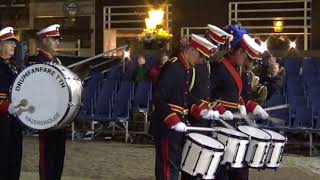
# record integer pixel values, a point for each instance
(202, 85)
(173, 104)
(10, 127)
(52, 142)
(227, 88)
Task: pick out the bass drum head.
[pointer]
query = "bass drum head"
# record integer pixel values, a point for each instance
(47, 93)
(206, 141)
(231, 132)
(275, 136)
(255, 132)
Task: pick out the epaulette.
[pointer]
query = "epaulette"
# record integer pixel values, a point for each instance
(173, 59)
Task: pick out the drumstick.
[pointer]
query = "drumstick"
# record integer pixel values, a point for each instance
(276, 120)
(30, 109)
(227, 125)
(200, 129)
(247, 118)
(283, 106)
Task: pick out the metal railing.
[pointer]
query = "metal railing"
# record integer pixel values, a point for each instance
(130, 20)
(258, 16)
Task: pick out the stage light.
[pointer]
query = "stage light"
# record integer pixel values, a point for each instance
(292, 44)
(156, 15)
(278, 25)
(126, 54)
(264, 45)
(150, 23)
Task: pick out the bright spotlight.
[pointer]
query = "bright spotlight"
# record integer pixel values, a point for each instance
(150, 23)
(292, 44)
(156, 16)
(264, 45)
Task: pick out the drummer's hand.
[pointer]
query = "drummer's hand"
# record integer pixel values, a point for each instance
(180, 127)
(243, 110)
(12, 109)
(227, 115)
(209, 114)
(260, 112)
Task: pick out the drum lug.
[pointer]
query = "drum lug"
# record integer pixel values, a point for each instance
(253, 153)
(195, 166)
(237, 149)
(264, 154)
(184, 161)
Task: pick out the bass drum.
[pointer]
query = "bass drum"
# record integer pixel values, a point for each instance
(47, 95)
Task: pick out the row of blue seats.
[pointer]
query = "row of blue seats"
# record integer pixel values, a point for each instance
(107, 97)
(302, 114)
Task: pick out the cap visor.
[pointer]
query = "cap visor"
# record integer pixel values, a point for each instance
(11, 39)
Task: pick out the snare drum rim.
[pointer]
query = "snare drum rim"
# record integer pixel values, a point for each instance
(233, 136)
(276, 140)
(257, 138)
(205, 146)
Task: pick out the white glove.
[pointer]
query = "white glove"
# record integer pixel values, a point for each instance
(260, 112)
(243, 110)
(12, 109)
(180, 127)
(227, 115)
(209, 114)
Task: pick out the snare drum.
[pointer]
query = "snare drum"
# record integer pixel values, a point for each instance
(275, 151)
(201, 155)
(53, 95)
(236, 144)
(258, 146)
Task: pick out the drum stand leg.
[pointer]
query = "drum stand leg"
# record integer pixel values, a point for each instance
(92, 129)
(126, 124)
(310, 143)
(145, 122)
(73, 131)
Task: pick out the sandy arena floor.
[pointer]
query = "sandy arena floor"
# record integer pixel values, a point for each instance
(92, 160)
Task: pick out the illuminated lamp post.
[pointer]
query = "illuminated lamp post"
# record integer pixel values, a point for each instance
(278, 25)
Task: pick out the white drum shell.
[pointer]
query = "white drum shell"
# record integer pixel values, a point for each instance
(256, 154)
(275, 152)
(197, 160)
(235, 149)
(258, 146)
(75, 89)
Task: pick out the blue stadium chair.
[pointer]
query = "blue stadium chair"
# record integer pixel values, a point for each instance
(292, 66)
(294, 90)
(294, 103)
(127, 87)
(121, 107)
(282, 114)
(303, 119)
(115, 73)
(276, 100)
(314, 89)
(105, 100)
(90, 90)
(142, 97)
